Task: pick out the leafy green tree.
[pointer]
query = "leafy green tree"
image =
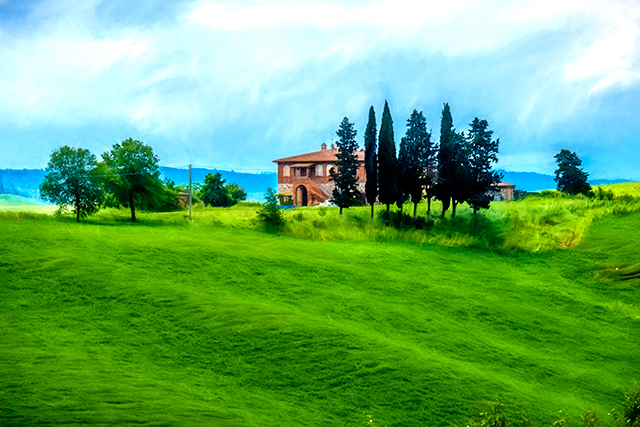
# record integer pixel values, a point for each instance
(388, 191)
(269, 213)
(215, 193)
(371, 160)
(569, 176)
(133, 174)
(345, 173)
(236, 193)
(416, 158)
(483, 152)
(70, 180)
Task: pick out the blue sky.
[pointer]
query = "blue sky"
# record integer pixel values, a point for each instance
(234, 85)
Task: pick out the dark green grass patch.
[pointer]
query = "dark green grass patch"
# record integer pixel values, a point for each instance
(171, 322)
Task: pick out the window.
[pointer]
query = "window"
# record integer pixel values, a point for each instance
(286, 170)
(303, 171)
(319, 170)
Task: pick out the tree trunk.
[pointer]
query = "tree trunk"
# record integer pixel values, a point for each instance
(77, 207)
(340, 210)
(428, 208)
(133, 209)
(415, 210)
(388, 205)
(371, 210)
(453, 211)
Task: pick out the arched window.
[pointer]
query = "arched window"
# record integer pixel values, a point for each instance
(286, 170)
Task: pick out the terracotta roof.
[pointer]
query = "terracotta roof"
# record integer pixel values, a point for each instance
(505, 184)
(328, 155)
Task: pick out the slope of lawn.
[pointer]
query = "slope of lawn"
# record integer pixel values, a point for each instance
(178, 323)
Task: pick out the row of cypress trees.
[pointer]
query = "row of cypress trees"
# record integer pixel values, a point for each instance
(457, 170)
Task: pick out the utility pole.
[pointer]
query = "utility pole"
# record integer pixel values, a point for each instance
(190, 197)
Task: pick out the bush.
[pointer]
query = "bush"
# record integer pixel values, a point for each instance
(493, 417)
(270, 214)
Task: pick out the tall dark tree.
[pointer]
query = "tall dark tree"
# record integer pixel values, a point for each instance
(387, 162)
(416, 158)
(483, 152)
(371, 160)
(345, 170)
(569, 176)
(134, 175)
(70, 180)
(459, 172)
(443, 186)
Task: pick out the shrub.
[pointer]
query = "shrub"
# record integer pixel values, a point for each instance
(590, 419)
(493, 417)
(630, 416)
(270, 214)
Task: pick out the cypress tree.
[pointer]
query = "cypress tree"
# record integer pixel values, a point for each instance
(416, 158)
(459, 172)
(443, 186)
(387, 163)
(483, 152)
(344, 174)
(371, 160)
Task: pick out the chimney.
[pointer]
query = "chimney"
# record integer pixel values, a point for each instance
(323, 146)
(332, 146)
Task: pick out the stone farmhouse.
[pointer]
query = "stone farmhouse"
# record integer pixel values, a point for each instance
(306, 179)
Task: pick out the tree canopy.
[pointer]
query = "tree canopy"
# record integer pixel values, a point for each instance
(371, 160)
(214, 192)
(569, 176)
(388, 191)
(483, 152)
(133, 174)
(416, 158)
(70, 181)
(344, 173)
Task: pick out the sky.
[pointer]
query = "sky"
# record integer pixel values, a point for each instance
(234, 85)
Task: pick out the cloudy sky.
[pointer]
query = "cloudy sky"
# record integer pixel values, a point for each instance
(236, 84)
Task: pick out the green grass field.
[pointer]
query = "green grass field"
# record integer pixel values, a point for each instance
(214, 322)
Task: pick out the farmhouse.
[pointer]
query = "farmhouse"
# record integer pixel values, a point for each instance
(505, 192)
(306, 177)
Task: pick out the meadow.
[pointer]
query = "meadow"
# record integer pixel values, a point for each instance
(333, 321)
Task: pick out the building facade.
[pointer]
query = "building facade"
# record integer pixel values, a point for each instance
(306, 177)
(505, 192)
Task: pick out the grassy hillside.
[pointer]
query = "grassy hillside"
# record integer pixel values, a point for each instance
(212, 322)
(10, 202)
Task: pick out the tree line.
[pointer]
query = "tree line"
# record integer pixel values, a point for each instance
(455, 170)
(127, 176)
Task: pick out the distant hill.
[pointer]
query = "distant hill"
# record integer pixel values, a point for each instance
(10, 200)
(533, 181)
(21, 182)
(25, 182)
